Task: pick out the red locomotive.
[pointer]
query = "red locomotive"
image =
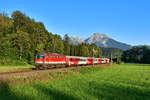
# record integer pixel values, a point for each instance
(49, 60)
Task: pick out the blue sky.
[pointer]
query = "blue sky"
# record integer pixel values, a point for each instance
(123, 20)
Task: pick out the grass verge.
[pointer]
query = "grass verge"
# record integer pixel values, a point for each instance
(8, 68)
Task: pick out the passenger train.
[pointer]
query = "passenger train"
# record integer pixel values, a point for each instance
(49, 60)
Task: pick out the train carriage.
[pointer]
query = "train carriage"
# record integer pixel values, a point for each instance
(100, 60)
(75, 60)
(72, 60)
(90, 60)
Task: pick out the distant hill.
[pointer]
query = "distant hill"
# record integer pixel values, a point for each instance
(101, 40)
(143, 45)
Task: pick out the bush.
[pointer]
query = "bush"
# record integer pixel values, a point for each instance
(10, 61)
(119, 61)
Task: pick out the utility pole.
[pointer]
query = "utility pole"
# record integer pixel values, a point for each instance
(111, 59)
(93, 55)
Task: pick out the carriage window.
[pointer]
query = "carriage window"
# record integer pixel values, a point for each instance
(57, 57)
(61, 57)
(77, 59)
(90, 59)
(73, 59)
(51, 56)
(95, 59)
(82, 59)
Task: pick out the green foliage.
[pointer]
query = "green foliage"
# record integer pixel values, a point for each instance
(21, 38)
(119, 61)
(20, 20)
(114, 52)
(55, 44)
(6, 25)
(66, 45)
(137, 55)
(86, 50)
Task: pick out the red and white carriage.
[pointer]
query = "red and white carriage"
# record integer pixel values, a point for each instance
(47, 60)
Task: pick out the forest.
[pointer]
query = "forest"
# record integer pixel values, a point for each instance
(137, 54)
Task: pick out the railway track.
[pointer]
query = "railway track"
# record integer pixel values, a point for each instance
(33, 72)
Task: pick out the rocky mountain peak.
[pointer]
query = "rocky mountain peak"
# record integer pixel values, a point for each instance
(99, 35)
(101, 40)
(76, 40)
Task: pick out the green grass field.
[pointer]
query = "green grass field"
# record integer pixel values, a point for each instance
(120, 82)
(15, 68)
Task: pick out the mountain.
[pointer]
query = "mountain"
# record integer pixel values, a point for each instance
(101, 40)
(76, 40)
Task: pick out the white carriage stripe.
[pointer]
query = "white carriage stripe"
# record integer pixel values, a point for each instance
(51, 62)
(81, 62)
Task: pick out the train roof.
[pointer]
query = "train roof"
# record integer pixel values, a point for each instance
(76, 56)
(50, 53)
(83, 57)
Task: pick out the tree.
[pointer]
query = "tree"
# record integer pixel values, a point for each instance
(55, 44)
(20, 20)
(6, 25)
(23, 43)
(72, 50)
(66, 45)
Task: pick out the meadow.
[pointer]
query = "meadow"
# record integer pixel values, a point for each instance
(13, 68)
(117, 82)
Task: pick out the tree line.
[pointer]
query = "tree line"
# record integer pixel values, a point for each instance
(21, 38)
(138, 54)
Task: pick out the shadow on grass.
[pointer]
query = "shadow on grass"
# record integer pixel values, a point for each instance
(7, 94)
(113, 92)
(54, 94)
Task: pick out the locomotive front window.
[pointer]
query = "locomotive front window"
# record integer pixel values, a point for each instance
(40, 57)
